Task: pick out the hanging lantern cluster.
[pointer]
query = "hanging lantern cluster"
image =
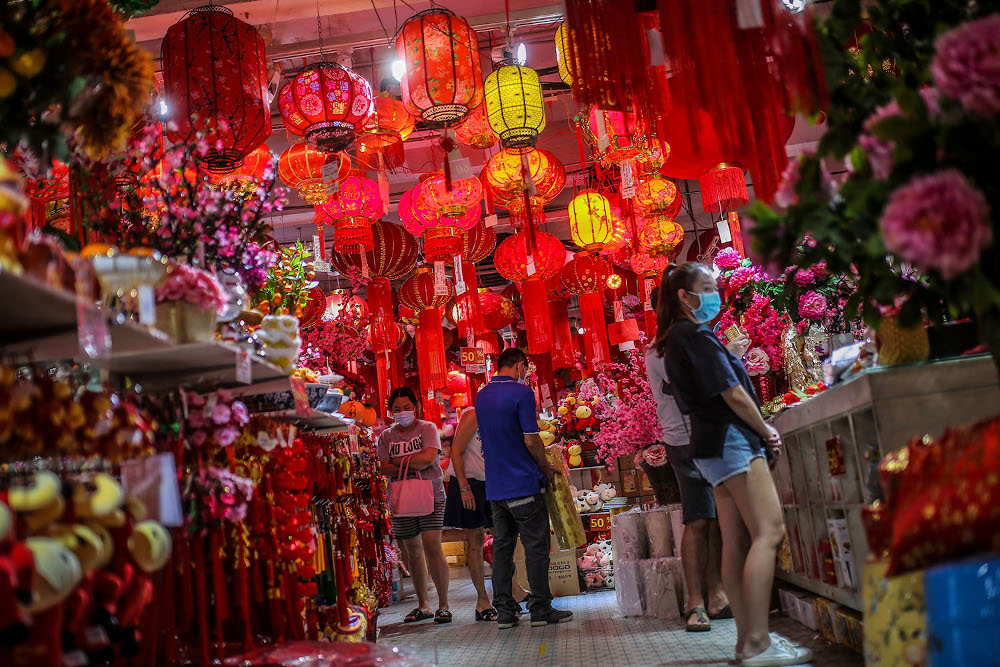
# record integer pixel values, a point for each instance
(215, 76)
(591, 221)
(352, 210)
(384, 132)
(327, 104)
(475, 130)
(300, 167)
(515, 105)
(530, 258)
(443, 80)
(658, 202)
(623, 135)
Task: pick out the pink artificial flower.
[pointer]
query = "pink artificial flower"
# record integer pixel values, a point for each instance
(221, 414)
(741, 277)
(819, 270)
(812, 305)
(966, 65)
(240, 413)
(727, 259)
(757, 361)
(226, 436)
(656, 455)
(804, 277)
(938, 221)
(879, 151)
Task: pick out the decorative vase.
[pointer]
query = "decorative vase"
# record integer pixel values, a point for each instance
(901, 345)
(280, 335)
(664, 483)
(764, 384)
(186, 322)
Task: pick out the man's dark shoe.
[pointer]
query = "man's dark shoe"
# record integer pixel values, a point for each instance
(550, 615)
(506, 621)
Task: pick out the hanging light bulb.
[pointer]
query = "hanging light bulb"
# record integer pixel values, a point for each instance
(522, 54)
(398, 69)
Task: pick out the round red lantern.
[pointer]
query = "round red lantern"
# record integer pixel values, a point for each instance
(327, 103)
(441, 244)
(300, 167)
(340, 304)
(658, 197)
(475, 130)
(418, 292)
(451, 200)
(215, 77)
(649, 266)
(586, 275)
(443, 79)
(480, 241)
(504, 176)
(548, 256)
(659, 236)
(498, 311)
(352, 209)
(393, 256)
(416, 215)
(371, 346)
(253, 168)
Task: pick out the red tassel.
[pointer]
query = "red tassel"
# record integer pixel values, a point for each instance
(724, 188)
(383, 328)
(562, 337)
(592, 317)
(429, 324)
(737, 233)
(322, 241)
(534, 300)
(468, 308)
(546, 380)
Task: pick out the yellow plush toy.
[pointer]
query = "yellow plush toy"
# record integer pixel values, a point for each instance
(575, 460)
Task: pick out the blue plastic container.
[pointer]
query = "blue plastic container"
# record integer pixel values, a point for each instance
(963, 613)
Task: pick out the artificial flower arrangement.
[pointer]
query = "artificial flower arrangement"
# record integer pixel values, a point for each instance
(213, 496)
(331, 345)
(915, 214)
(215, 420)
(191, 285)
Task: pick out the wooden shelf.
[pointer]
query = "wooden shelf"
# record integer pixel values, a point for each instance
(318, 420)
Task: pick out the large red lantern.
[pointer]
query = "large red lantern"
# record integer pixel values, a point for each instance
(480, 242)
(215, 78)
(300, 167)
(498, 311)
(451, 199)
(475, 130)
(352, 209)
(504, 175)
(384, 132)
(443, 79)
(419, 293)
(547, 256)
(585, 275)
(252, 170)
(327, 103)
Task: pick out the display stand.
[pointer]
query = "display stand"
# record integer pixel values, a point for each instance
(833, 444)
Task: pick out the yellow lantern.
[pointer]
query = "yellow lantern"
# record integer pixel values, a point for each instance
(658, 196)
(591, 220)
(659, 236)
(562, 55)
(515, 105)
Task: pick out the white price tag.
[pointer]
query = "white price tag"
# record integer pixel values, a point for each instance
(530, 267)
(147, 305)
(440, 280)
(430, 394)
(244, 369)
(317, 255)
(331, 170)
(656, 54)
(460, 288)
(627, 345)
(490, 220)
(320, 266)
(628, 182)
(460, 169)
(725, 231)
(332, 188)
(602, 134)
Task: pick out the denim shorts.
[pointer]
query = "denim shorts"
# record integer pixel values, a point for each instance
(737, 453)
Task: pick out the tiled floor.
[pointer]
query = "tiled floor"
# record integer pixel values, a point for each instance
(597, 636)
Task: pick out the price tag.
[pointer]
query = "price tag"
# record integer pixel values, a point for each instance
(430, 394)
(725, 232)
(440, 280)
(301, 398)
(628, 182)
(460, 287)
(656, 53)
(602, 134)
(619, 311)
(147, 305)
(460, 169)
(473, 360)
(647, 287)
(332, 188)
(491, 220)
(627, 345)
(530, 267)
(331, 170)
(319, 266)
(546, 395)
(244, 369)
(600, 522)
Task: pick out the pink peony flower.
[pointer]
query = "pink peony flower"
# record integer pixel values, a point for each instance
(805, 277)
(879, 151)
(938, 221)
(240, 413)
(186, 283)
(741, 277)
(812, 305)
(655, 456)
(221, 413)
(966, 65)
(727, 259)
(819, 270)
(757, 361)
(226, 436)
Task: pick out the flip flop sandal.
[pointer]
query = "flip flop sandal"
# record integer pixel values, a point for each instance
(724, 613)
(417, 615)
(486, 615)
(442, 616)
(703, 624)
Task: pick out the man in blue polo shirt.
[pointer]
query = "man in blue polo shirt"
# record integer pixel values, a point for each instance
(516, 474)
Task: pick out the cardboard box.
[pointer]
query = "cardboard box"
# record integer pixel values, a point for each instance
(456, 561)
(453, 548)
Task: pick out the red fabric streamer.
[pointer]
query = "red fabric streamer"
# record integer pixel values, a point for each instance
(429, 325)
(562, 336)
(595, 326)
(534, 298)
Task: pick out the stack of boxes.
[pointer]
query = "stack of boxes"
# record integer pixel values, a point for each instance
(649, 580)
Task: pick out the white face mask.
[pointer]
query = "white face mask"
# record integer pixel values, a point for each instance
(405, 418)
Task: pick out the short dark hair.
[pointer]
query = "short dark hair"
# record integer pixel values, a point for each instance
(401, 392)
(511, 357)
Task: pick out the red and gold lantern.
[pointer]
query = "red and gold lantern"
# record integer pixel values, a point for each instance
(451, 199)
(327, 103)
(215, 76)
(300, 167)
(418, 292)
(659, 236)
(443, 79)
(251, 171)
(504, 175)
(384, 132)
(351, 210)
(586, 275)
(529, 258)
(475, 130)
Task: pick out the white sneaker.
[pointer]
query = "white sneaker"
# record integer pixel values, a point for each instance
(781, 653)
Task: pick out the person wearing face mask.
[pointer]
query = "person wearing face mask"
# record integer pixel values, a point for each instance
(516, 473)
(730, 446)
(414, 445)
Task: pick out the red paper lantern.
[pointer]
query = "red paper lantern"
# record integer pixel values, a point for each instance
(504, 176)
(648, 266)
(253, 168)
(511, 256)
(480, 241)
(591, 222)
(327, 103)
(453, 199)
(215, 77)
(475, 130)
(384, 132)
(393, 256)
(373, 347)
(352, 209)
(340, 300)
(585, 275)
(658, 196)
(498, 311)
(442, 244)
(417, 292)
(443, 80)
(659, 236)
(623, 133)
(300, 167)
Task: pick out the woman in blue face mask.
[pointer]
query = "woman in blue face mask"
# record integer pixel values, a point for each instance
(414, 445)
(730, 445)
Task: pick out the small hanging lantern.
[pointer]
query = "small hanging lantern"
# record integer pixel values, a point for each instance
(384, 132)
(504, 174)
(658, 235)
(724, 188)
(300, 167)
(352, 210)
(327, 103)
(215, 76)
(658, 196)
(418, 292)
(475, 130)
(451, 200)
(586, 275)
(591, 223)
(443, 80)
(530, 258)
(515, 105)
(653, 154)
(565, 63)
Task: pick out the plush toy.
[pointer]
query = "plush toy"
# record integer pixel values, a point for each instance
(587, 562)
(547, 437)
(575, 460)
(57, 573)
(594, 502)
(593, 550)
(606, 491)
(594, 579)
(581, 505)
(609, 580)
(604, 560)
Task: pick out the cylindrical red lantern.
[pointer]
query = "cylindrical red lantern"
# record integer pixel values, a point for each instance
(351, 210)
(585, 275)
(443, 79)
(418, 292)
(327, 103)
(215, 78)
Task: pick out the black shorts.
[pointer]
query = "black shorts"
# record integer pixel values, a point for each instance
(408, 527)
(455, 514)
(697, 497)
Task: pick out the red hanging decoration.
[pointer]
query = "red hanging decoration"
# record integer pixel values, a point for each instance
(418, 292)
(547, 255)
(352, 209)
(215, 76)
(327, 103)
(586, 275)
(563, 352)
(382, 136)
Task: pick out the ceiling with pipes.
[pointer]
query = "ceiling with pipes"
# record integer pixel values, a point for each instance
(360, 34)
